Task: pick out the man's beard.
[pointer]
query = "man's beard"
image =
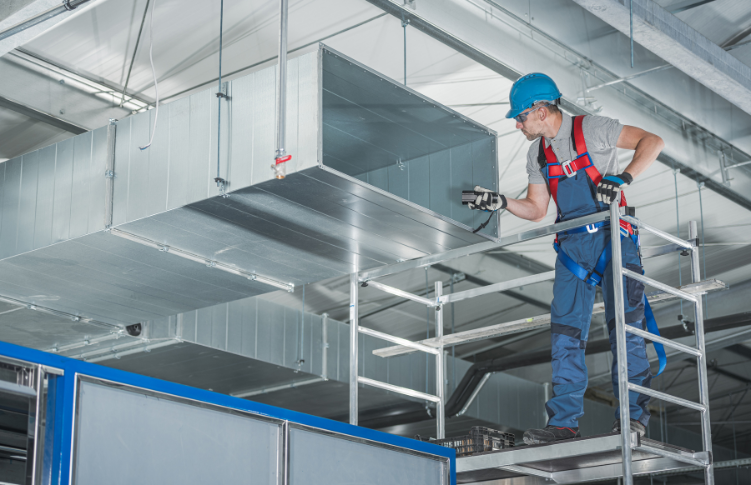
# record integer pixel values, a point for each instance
(531, 136)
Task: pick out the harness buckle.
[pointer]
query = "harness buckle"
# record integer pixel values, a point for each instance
(568, 169)
(591, 228)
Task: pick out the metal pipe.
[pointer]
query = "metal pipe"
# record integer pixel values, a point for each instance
(325, 345)
(398, 389)
(402, 293)
(664, 341)
(627, 78)
(701, 365)
(220, 94)
(666, 397)
(281, 96)
(646, 227)
(405, 23)
(284, 462)
(620, 336)
(280, 387)
(109, 175)
(659, 285)
(497, 287)
(354, 287)
(680, 457)
(440, 381)
(631, 32)
(475, 393)
(529, 235)
(539, 322)
(67, 6)
(693, 235)
(398, 340)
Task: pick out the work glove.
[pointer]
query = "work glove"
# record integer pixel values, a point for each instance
(488, 200)
(609, 186)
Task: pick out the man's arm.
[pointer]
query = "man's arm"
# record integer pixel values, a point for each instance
(647, 146)
(534, 207)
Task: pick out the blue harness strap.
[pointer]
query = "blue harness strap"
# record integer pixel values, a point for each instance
(652, 328)
(594, 278)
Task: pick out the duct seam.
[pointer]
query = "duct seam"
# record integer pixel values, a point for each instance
(58, 313)
(211, 263)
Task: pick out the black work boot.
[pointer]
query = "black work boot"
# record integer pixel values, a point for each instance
(549, 434)
(634, 425)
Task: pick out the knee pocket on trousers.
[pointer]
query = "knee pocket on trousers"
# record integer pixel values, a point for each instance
(634, 289)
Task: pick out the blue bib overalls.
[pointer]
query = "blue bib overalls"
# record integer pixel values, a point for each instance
(573, 298)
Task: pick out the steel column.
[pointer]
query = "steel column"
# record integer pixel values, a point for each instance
(354, 289)
(620, 336)
(440, 385)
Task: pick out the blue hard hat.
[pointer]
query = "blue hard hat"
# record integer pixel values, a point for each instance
(529, 89)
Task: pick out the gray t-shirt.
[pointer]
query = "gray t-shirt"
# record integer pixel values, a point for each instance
(601, 135)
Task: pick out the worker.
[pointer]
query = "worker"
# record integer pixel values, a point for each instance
(575, 160)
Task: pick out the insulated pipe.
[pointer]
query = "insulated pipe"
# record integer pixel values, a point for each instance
(281, 157)
(66, 6)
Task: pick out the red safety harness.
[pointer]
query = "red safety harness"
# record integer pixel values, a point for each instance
(556, 170)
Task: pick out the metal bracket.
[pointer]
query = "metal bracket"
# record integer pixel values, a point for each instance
(222, 184)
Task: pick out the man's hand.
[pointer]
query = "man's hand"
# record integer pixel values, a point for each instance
(488, 201)
(609, 186)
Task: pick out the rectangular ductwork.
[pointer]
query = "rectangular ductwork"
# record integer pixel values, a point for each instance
(95, 227)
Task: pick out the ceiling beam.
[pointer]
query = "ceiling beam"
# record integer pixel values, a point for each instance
(33, 20)
(741, 350)
(37, 115)
(677, 43)
(495, 38)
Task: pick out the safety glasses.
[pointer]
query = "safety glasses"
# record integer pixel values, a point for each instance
(522, 117)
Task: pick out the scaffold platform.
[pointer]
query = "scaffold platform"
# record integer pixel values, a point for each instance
(579, 460)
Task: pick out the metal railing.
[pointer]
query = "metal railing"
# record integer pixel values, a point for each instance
(355, 379)
(692, 292)
(624, 386)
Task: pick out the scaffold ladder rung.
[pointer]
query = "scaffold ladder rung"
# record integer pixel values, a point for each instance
(667, 397)
(664, 341)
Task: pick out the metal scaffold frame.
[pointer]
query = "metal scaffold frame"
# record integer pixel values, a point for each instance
(629, 443)
(355, 330)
